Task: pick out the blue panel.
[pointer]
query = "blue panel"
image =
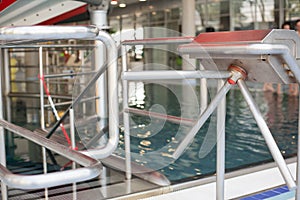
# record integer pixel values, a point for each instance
(260, 196)
(281, 189)
(249, 198)
(270, 193)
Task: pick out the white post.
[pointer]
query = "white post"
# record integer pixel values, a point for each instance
(231, 14)
(188, 29)
(7, 89)
(297, 197)
(42, 117)
(188, 17)
(99, 19)
(277, 156)
(73, 145)
(2, 138)
(189, 86)
(126, 116)
(221, 115)
(203, 92)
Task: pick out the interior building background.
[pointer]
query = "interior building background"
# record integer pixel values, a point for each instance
(222, 15)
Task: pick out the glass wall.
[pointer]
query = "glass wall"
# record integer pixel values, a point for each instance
(222, 15)
(143, 20)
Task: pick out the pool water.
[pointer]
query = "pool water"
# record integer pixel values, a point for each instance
(152, 141)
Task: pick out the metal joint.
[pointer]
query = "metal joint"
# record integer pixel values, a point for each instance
(237, 73)
(103, 6)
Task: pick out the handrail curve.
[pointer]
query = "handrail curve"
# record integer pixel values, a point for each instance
(92, 168)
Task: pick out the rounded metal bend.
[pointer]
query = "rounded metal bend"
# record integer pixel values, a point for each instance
(91, 169)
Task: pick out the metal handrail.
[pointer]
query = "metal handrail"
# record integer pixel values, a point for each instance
(159, 41)
(152, 75)
(263, 47)
(201, 51)
(73, 74)
(111, 66)
(92, 168)
(248, 49)
(23, 34)
(44, 33)
(172, 75)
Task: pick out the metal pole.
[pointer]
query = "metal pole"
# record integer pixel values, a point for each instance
(231, 14)
(170, 118)
(101, 86)
(255, 15)
(45, 33)
(201, 120)
(267, 135)
(91, 167)
(297, 197)
(188, 29)
(167, 75)
(9, 136)
(99, 19)
(2, 137)
(251, 49)
(203, 91)
(3, 161)
(220, 168)
(42, 117)
(160, 41)
(41, 72)
(73, 145)
(80, 32)
(111, 145)
(126, 116)
(188, 17)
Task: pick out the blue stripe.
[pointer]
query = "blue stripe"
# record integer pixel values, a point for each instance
(281, 193)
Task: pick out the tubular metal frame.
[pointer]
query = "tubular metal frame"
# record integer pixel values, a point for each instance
(250, 49)
(181, 75)
(2, 138)
(92, 167)
(276, 154)
(223, 50)
(153, 75)
(276, 47)
(220, 166)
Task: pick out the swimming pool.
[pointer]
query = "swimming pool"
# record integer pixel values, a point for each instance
(154, 140)
(245, 145)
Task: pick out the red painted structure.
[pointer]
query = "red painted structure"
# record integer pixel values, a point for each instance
(6, 3)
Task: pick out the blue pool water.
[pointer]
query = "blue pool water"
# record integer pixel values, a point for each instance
(154, 140)
(245, 144)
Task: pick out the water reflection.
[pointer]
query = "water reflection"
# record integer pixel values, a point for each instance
(282, 118)
(245, 144)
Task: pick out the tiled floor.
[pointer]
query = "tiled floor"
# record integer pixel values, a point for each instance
(281, 193)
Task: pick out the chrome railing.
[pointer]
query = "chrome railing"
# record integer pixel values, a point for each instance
(235, 75)
(92, 168)
(270, 49)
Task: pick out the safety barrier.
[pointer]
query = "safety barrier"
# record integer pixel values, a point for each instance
(11, 36)
(239, 56)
